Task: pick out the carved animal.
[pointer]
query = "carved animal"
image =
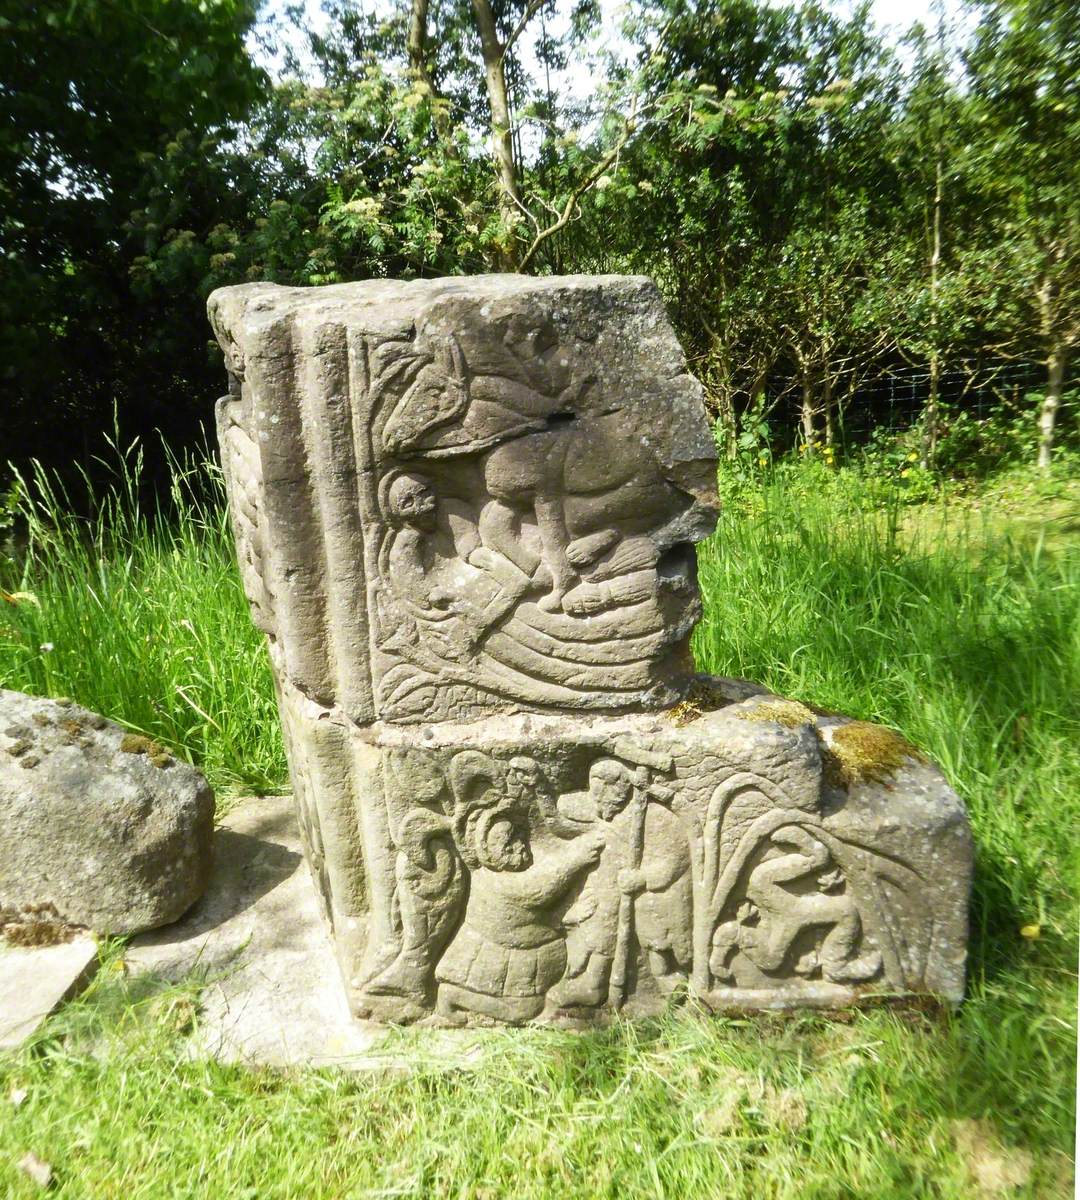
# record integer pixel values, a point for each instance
(783, 914)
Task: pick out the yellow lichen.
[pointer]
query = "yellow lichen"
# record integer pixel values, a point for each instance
(137, 743)
(789, 713)
(860, 751)
(700, 699)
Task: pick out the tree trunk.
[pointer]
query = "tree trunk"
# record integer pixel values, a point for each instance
(806, 419)
(827, 409)
(725, 422)
(931, 415)
(1055, 383)
(417, 40)
(502, 147)
(417, 47)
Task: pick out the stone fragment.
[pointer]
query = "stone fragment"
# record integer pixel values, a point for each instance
(98, 832)
(565, 867)
(34, 981)
(273, 994)
(465, 512)
(459, 495)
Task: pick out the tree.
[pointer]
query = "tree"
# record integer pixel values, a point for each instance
(95, 99)
(940, 291)
(1024, 72)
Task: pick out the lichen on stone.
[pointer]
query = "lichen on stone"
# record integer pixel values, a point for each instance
(701, 698)
(789, 713)
(861, 752)
(139, 743)
(35, 925)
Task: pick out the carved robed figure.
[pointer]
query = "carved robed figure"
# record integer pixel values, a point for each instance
(465, 514)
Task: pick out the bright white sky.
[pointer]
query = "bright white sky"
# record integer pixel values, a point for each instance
(893, 16)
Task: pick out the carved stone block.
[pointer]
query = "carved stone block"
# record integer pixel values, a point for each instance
(465, 512)
(464, 495)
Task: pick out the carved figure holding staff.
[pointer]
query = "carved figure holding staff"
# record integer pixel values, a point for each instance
(639, 895)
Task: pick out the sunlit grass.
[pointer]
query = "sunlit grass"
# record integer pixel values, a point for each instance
(144, 619)
(967, 644)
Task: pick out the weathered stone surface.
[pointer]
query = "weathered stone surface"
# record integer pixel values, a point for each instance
(257, 937)
(544, 867)
(102, 827)
(460, 495)
(465, 513)
(35, 980)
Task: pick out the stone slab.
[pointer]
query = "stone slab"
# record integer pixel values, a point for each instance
(103, 828)
(35, 981)
(273, 993)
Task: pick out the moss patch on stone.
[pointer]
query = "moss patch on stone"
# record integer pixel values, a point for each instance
(700, 699)
(861, 752)
(35, 925)
(138, 743)
(789, 713)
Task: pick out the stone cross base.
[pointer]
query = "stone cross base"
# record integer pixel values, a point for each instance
(532, 867)
(465, 513)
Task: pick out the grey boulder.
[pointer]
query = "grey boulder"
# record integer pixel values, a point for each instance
(102, 828)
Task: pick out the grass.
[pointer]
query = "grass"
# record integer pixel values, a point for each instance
(144, 619)
(959, 635)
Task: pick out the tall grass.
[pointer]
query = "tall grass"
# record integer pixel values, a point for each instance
(140, 615)
(961, 637)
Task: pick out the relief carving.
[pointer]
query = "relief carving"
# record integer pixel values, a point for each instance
(465, 513)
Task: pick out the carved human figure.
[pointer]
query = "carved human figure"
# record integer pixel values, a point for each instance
(441, 574)
(509, 949)
(620, 800)
(527, 788)
(430, 887)
(579, 482)
(426, 536)
(615, 571)
(760, 937)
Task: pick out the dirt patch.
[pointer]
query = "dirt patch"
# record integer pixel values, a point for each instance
(995, 1169)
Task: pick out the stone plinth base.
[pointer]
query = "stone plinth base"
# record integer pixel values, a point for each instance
(526, 867)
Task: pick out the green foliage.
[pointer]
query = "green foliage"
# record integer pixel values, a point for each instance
(964, 639)
(140, 616)
(964, 636)
(107, 106)
(816, 208)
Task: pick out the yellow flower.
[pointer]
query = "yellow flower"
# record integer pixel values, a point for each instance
(904, 473)
(913, 458)
(762, 460)
(1031, 932)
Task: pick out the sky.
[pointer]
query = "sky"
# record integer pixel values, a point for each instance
(892, 16)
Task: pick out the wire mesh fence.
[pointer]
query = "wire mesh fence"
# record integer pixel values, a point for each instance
(897, 400)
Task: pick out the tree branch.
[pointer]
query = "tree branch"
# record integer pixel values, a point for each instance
(531, 9)
(586, 183)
